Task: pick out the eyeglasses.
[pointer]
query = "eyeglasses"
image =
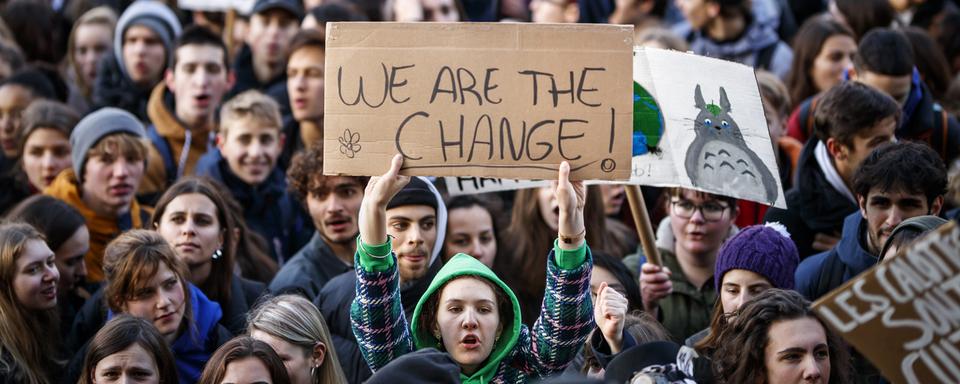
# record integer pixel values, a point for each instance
(711, 211)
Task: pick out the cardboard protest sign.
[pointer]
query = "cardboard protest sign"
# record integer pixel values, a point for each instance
(478, 99)
(699, 124)
(904, 314)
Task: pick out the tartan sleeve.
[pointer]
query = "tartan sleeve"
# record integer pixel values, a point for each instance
(376, 314)
(566, 315)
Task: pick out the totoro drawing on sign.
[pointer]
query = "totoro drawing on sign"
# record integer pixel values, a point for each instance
(719, 158)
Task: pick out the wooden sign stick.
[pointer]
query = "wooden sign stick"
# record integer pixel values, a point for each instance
(642, 220)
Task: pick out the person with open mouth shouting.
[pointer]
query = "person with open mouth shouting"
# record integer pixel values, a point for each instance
(467, 311)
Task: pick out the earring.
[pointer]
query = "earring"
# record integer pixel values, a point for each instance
(313, 371)
(217, 253)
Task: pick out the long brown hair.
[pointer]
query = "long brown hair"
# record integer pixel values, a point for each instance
(807, 45)
(740, 355)
(28, 339)
(131, 260)
(217, 285)
(239, 348)
(120, 333)
(531, 240)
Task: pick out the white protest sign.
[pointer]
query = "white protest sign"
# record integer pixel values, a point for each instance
(713, 135)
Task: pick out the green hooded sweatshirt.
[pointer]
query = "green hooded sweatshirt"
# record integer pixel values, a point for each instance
(568, 318)
(465, 265)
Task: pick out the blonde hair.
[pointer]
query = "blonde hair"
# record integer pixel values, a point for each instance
(297, 321)
(120, 144)
(250, 105)
(102, 15)
(21, 328)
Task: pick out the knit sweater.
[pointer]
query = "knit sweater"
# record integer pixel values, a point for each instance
(520, 354)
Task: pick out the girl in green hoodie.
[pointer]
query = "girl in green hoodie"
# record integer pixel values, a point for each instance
(468, 311)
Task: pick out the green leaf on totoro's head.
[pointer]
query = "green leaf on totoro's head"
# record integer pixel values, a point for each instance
(714, 109)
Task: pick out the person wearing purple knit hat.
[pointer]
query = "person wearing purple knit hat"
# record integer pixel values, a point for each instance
(758, 258)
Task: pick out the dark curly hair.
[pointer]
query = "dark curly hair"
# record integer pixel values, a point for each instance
(905, 166)
(740, 354)
(305, 175)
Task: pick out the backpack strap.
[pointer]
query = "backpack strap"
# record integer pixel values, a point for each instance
(806, 116)
(831, 275)
(166, 153)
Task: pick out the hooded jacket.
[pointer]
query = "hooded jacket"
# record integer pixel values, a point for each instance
(758, 46)
(102, 229)
(176, 135)
(849, 251)
(813, 205)
(518, 355)
(268, 208)
(113, 86)
(335, 298)
(190, 351)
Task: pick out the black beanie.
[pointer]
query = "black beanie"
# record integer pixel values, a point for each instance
(417, 192)
(427, 365)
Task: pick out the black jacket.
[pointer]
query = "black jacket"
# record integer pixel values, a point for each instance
(310, 269)
(243, 295)
(813, 205)
(334, 303)
(246, 79)
(924, 124)
(112, 88)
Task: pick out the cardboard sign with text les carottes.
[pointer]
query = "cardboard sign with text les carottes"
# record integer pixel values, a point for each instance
(904, 314)
(478, 99)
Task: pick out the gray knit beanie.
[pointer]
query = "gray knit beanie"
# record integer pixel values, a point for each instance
(151, 14)
(917, 224)
(94, 127)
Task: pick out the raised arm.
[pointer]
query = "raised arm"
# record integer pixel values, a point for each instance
(376, 314)
(566, 315)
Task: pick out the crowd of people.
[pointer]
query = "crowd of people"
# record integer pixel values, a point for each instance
(166, 217)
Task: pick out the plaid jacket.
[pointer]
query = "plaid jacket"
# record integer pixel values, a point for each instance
(565, 322)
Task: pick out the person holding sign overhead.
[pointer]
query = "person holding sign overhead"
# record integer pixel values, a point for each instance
(467, 311)
(416, 223)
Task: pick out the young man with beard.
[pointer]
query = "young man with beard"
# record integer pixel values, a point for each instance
(333, 203)
(305, 84)
(142, 46)
(182, 109)
(894, 183)
(109, 157)
(416, 221)
(249, 143)
(260, 64)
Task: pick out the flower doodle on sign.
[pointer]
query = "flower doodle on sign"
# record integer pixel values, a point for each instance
(349, 143)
